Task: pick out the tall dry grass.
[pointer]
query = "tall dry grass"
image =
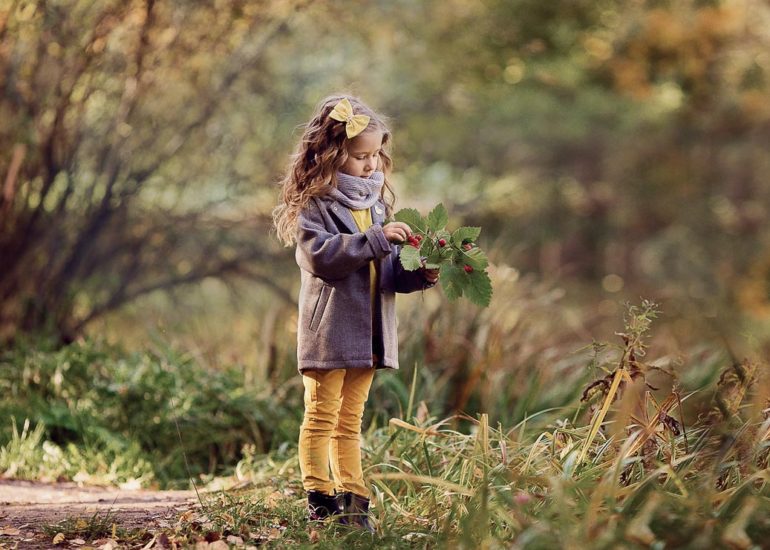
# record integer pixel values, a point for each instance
(619, 466)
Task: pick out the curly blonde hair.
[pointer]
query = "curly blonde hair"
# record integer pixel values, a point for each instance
(318, 156)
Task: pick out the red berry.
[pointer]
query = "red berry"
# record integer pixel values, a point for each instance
(522, 498)
(467, 268)
(418, 237)
(467, 246)
(442, 242)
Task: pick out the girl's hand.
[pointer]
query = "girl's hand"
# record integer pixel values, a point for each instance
(431, 275)
(396, 232)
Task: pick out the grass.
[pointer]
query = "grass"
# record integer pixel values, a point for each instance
(434, 487)
(621, 460)
(92, 528)
(633, 471)
(113, 417)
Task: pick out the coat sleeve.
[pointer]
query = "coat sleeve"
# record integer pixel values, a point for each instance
(335, 255)
(407, 281)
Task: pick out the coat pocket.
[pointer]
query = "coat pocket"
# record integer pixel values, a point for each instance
(320, 307)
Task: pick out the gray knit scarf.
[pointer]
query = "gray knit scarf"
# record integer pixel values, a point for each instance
(358, 193)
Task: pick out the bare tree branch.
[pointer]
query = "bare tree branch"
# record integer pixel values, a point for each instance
(219, 270)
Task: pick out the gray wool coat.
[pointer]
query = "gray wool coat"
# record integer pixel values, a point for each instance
(336, 328)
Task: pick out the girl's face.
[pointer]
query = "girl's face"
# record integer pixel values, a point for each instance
(363, 154)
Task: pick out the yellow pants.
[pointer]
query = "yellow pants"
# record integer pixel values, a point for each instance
(331, 430)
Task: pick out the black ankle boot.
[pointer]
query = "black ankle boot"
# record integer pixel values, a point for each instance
(355, 511)
(321, 506)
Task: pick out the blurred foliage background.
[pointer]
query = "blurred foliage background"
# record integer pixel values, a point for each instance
(610, 150)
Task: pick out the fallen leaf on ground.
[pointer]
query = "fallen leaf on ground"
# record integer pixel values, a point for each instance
(106, 544)
(211, 536)
(274, 498)
(79, 542)
(9, 531)
(229, 518)
(237, 541)
(314, 536)
(58, 538)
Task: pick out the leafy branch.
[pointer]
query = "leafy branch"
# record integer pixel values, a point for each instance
(462, 263)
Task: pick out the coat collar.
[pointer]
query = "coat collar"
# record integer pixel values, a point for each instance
(344, 215)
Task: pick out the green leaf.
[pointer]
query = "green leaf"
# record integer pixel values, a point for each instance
(410, 257)
(475, 258)
(452, 281)
(438, 218)
(411, 217)
(434, 257)
(443, 234)
(451, 258)
(478, 288)
(427, 248)
(465, 233)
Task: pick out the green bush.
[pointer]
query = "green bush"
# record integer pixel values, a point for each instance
(110, 403)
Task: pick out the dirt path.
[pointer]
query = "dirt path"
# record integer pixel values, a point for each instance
(27, 506)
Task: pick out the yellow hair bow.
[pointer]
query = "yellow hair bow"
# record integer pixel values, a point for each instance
(355, 124)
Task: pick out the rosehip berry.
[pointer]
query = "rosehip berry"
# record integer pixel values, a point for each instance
(522, 498)
(418, 237)
(442, 242)
(467, 268)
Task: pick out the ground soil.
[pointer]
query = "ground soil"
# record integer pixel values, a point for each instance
(28, 507)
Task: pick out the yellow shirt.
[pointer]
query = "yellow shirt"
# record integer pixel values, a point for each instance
(363, 220)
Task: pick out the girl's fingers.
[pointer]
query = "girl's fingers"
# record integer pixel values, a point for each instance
(398, 230)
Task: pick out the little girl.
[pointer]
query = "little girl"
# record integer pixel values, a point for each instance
(333, 206)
